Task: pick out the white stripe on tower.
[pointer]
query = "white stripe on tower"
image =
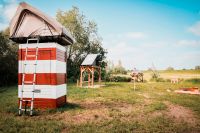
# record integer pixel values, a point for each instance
(46, 91)
(43, 66)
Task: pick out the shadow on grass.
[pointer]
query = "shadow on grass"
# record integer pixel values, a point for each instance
(2, 90)
(7, 88)
(37, 112)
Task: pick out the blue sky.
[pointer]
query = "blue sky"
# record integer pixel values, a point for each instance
(137, 32)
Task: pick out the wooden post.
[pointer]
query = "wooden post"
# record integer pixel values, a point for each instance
(88, 77)
(77, 83)
(92, 76)
(134, 83)
(81, 77)
(142, 78)
(99, 75)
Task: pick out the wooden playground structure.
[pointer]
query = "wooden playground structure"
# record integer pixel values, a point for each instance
(137, 76)
(90, 71)
(89, 66)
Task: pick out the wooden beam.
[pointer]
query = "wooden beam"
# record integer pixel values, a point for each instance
(90, 70)
(99, 75)
(82, 69)
(88, 77)
(92, 76)
(81, 77)
(77, 83)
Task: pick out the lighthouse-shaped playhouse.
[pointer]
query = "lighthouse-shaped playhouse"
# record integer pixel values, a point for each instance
(41, 58)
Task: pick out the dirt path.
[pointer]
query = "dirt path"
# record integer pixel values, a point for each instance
(181, 114)
(97, 111)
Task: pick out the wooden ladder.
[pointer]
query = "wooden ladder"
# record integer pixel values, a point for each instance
(31, 82)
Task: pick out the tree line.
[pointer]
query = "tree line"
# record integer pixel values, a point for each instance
(8, 60)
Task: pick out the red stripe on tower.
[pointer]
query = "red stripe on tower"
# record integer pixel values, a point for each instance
(43, 54)
(47, 102)
(44, 78)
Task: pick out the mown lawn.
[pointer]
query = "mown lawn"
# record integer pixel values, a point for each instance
(152, 107)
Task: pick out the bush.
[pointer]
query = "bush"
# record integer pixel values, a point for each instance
(155, 77)
(120, 79)
(8, 64)
(118, 70)
(144, 81)
(158, 80)
(170, 69)
(167, 80)
(197, 68)
(194, 80)
(71, 79)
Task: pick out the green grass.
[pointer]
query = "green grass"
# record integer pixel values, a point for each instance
(194, 81)
(24, 125)
(156, 106)
(113, 108)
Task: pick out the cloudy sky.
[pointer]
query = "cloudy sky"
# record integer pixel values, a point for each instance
(137, 32)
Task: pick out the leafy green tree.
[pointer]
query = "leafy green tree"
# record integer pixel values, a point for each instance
(86, 37)
(8, 60)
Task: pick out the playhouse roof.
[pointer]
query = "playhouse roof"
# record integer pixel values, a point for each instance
(90, 60)
(29, 22)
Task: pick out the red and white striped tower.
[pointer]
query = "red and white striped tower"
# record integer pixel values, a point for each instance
(50, 74)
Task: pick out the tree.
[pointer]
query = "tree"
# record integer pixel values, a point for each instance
(197, 67)
(86, 37)
(119, 64)
(8, 60)
(118, 69)
(170, 68)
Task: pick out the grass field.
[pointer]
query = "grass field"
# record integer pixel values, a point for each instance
(113, 108)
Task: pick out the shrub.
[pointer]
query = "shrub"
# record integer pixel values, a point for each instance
(120, 79)
(154, 76)
(167, 80)
(197, 68)
(194, 80)
(170, 69)
(144, 81)
(158, 80)
(71, 79)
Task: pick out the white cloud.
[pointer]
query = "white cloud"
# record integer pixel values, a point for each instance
(136, 35)
(132, 52)
(7, 11)
(10, 9)
(195, 29)
(188, 43)
(140, 53)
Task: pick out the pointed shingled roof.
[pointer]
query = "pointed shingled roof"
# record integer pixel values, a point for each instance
(30, 22)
